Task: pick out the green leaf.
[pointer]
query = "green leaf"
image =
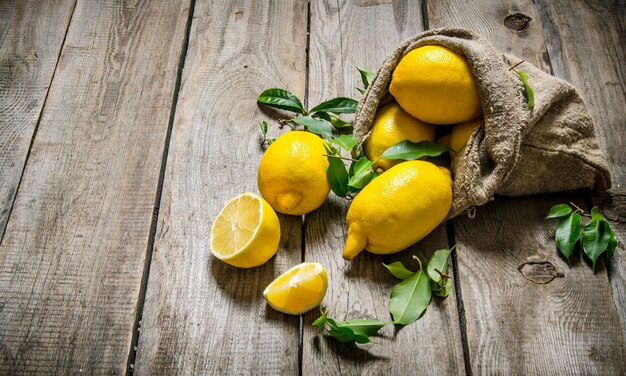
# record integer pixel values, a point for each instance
(334, 120)
(346, 141)
(263, 126)
(362, 326)
(366, 76)
(282, 99)
(568, 233)
(596, 238)
(558, 211)
(320, 322)
(339, 105)
(530, 95)
(270, 140)
(595, 214)
(410, 298)
(398, 270)
(441, 289)
(610, 249)
(408, 150)
(361, 90)
(362, 173)
(316, 126)
(336, 174)
(344, 333)
(439, 261)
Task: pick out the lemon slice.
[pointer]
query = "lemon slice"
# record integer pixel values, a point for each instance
(246, 232)
(298, 290)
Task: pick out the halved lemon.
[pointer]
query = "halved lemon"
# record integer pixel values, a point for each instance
(298, 290)
(246, 232)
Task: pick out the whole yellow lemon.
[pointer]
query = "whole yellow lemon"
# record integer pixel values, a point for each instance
(391, 126)
(435, 84)
(292, 173)
(398, 208)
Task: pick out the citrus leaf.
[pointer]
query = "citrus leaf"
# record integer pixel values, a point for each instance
(398, 270)
(610, 249)
(567, 233)
(316, 126)
(558, 211)
(339, 105)
(320, 322)
(362, 326)
(441, 289)
(596, 238)
(336, 174)
(366, 76)
(346, 141)
(595, 214)
(361, 90)
(408, 150)
(334, 120)
(530, 95)
(362, 173)
(344, 333)
(439, 261)
(410, 298)
(282, 99)
(263, 126)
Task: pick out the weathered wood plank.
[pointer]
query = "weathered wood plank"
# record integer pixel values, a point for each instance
(72, 258)
(586, 46)
(566, 326)
(345, 35)
(31, 36)
(201, 315)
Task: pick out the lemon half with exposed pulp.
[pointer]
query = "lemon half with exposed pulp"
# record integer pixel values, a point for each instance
(246, 232)
(298, 290)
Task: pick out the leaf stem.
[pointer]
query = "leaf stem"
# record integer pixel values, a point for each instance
(516, 65)
(283, 122)
(577, 208)
(443, 275)
(339, 157)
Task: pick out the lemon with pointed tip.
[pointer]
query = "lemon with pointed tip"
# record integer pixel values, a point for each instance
(436, 85)
(298, 290)
(292, 173)
(391, 126)
(246, 232)
(398, 208)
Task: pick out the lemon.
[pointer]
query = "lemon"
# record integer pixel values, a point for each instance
(461, 133)
(391, 126)
(292, 173)
(298, 290)
(435, 84)
(398, 208)
(246, 232)
(444, 140)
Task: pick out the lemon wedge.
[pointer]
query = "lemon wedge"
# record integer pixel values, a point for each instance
(246, 232)
(298, 290)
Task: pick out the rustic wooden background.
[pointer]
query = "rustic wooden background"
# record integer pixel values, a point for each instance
(126, 125)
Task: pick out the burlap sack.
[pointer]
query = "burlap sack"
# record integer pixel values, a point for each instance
(518, 151)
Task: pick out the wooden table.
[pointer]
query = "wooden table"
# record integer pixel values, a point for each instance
(124, 128)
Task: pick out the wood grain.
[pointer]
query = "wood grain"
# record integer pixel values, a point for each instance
(31, 36)
(201, 315)
(72, 258)
(587, 48)
(513, 325)
(345, 35)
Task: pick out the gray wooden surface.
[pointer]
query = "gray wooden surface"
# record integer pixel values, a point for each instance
(92, 282)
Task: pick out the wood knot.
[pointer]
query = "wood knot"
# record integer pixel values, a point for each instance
(539, 272)
(517, 21)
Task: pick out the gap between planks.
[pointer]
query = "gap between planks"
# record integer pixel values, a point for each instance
(132, 351)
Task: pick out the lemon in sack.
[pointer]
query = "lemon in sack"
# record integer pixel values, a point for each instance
(435, 84)
(461, 133)
(246, 232)
(398, 208)
(292, 173)
(298, 290)
(391, 126)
